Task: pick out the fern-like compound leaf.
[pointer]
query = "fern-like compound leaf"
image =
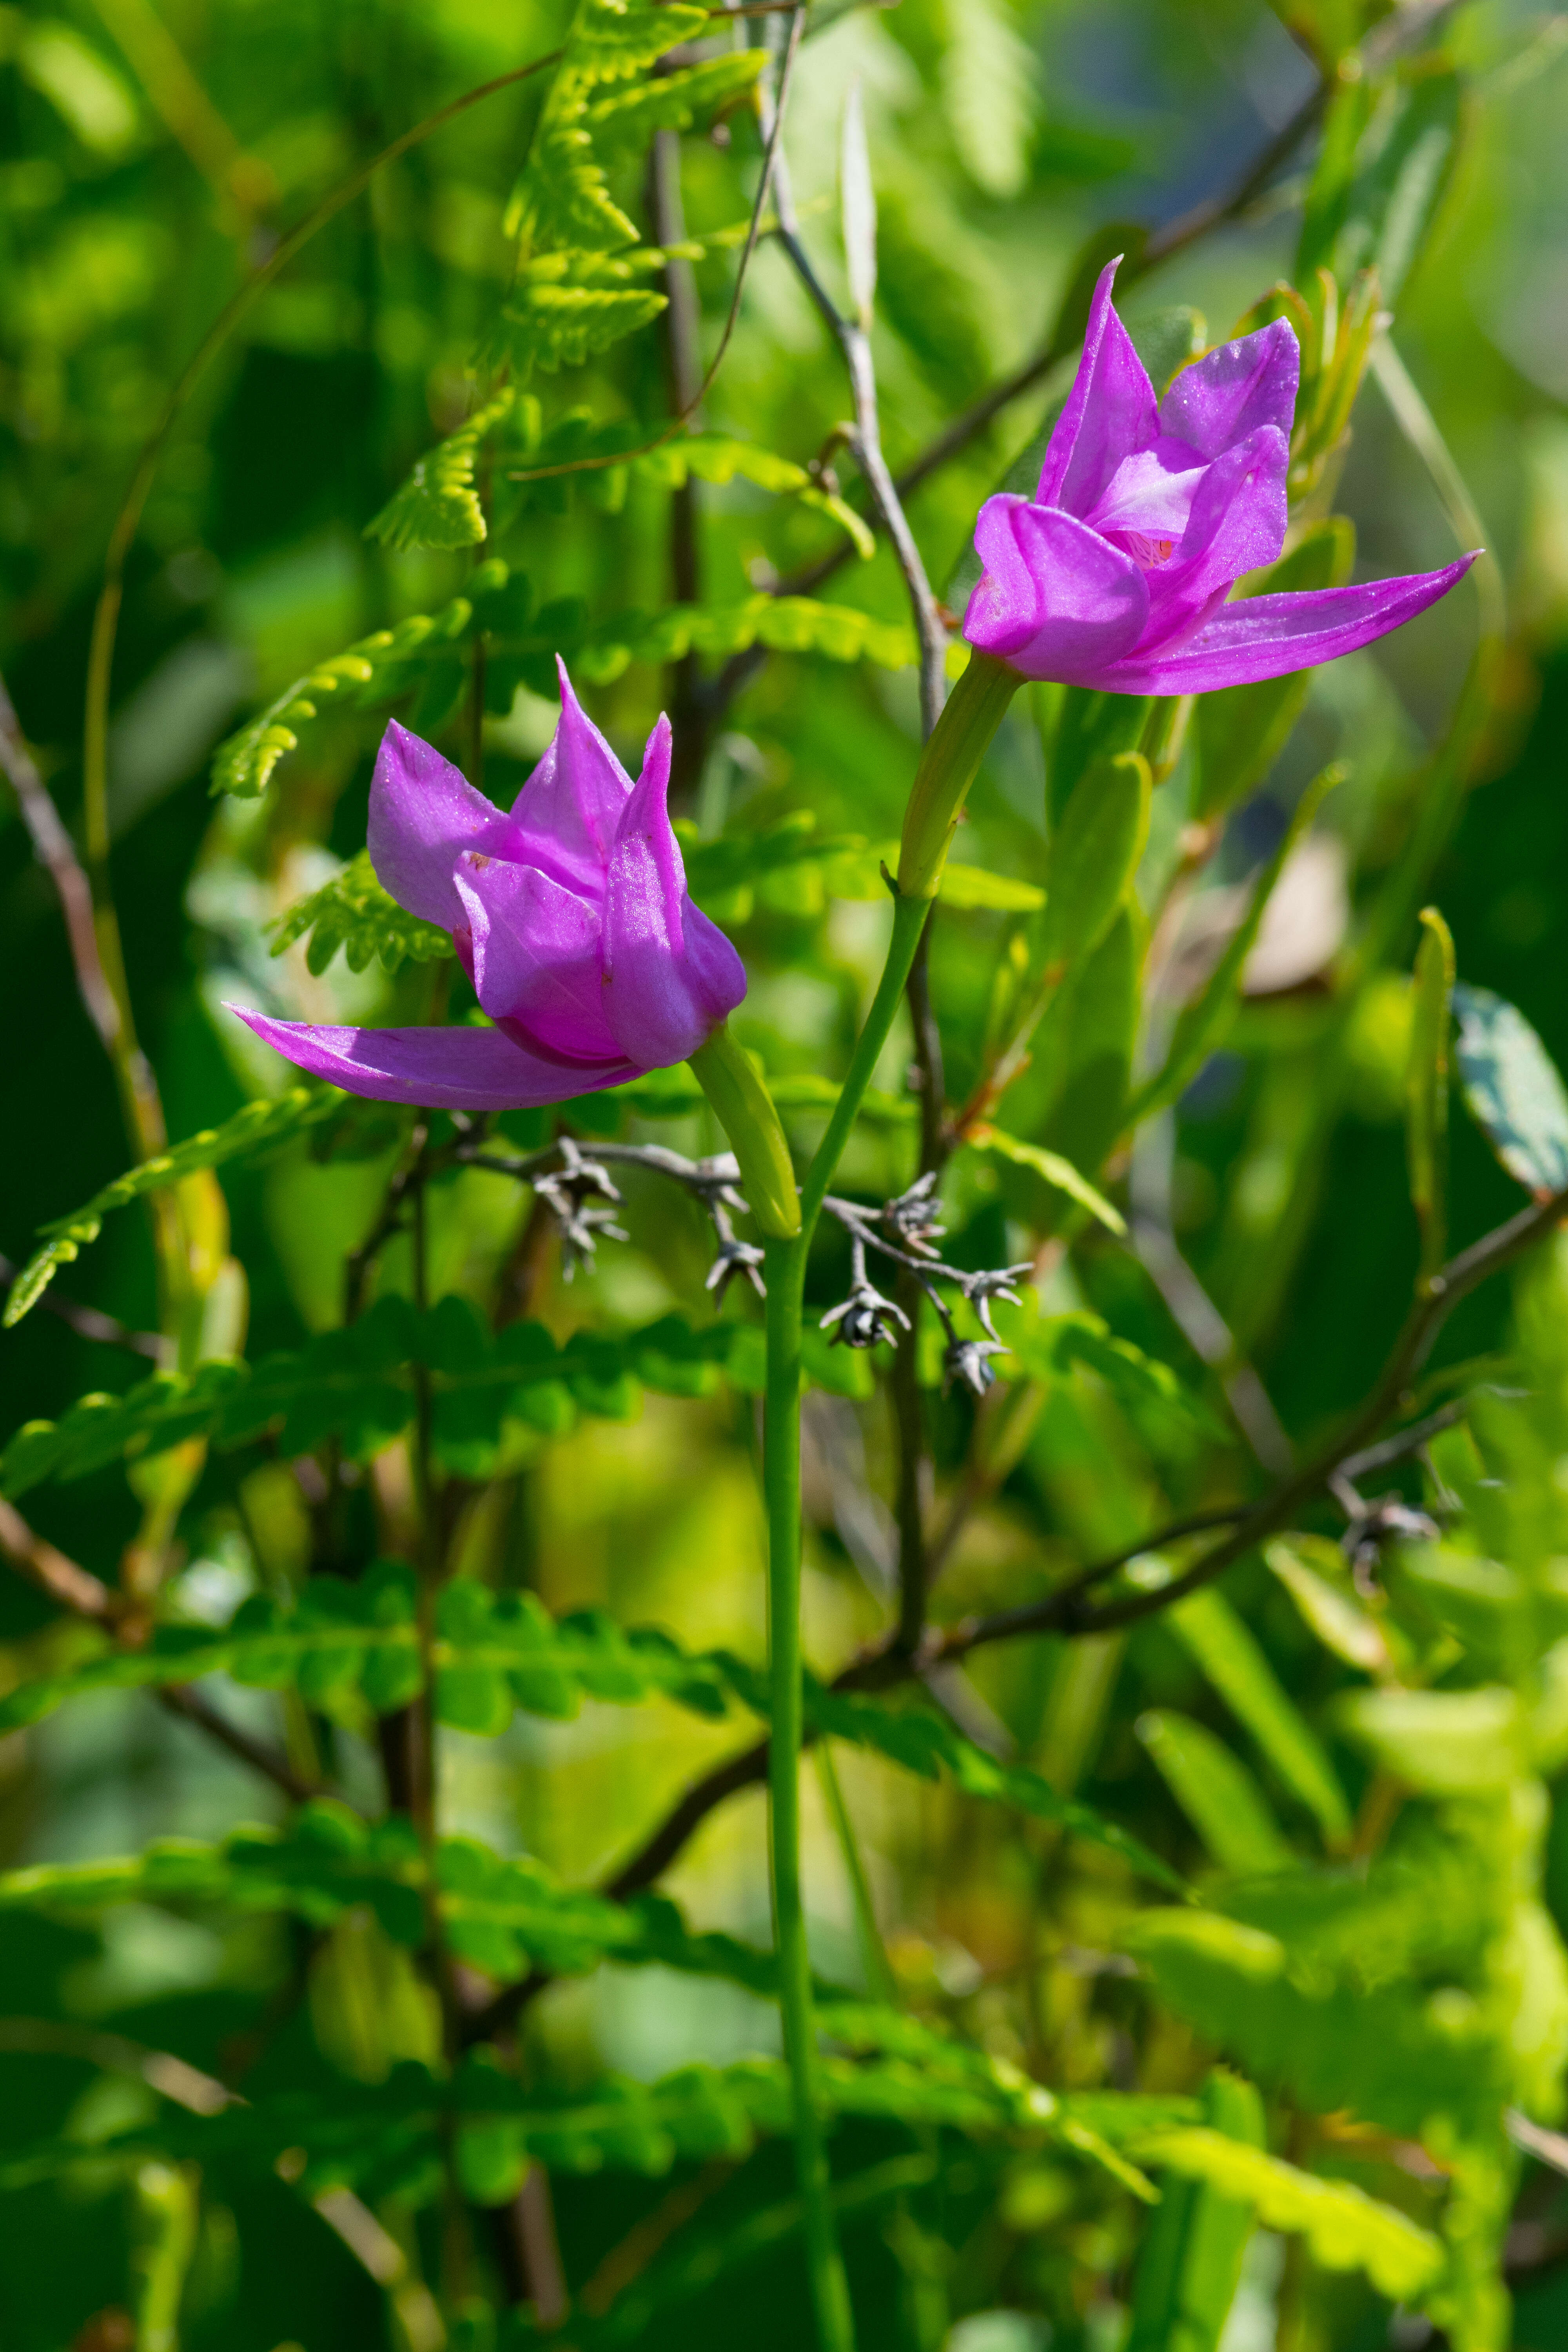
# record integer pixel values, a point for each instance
(354, 913)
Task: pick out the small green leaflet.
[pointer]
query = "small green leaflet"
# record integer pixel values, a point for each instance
(354, 913)
(676, 100)
(1345, 2230)
(1049, 1347)
(257, 1128)
(1229, 1655)
(1053, 1168)
(438, 506)
(1217, 1794)
(1512, 1089)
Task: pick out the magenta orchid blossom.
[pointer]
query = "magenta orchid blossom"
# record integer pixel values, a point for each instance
(1113, 575)
(569, 915)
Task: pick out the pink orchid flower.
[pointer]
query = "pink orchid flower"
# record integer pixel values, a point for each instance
(1114, 574)
(570, 915)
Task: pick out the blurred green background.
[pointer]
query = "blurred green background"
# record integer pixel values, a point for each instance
(149, 159)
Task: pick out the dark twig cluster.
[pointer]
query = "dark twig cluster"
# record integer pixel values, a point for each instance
(582, 1197)
(865, 1317)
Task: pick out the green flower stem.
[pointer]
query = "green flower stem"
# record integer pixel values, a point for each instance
(785, 1275)
(970, 717)
(744, 1109)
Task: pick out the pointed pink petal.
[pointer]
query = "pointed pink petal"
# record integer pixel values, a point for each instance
(452, 1069)
(535, 956)
(1268, 637)
(1109, 414)
(1231, 391)
(567, 813)
(1055, 600)
(422, 814)
(1236, 525)
(671, 975)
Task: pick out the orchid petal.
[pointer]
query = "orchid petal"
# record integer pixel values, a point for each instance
(567, 813)
(1268, 637)
(533, 953)
(423, 813)
(1237, 524)
(671, 975)
(1151, 493)
(453, 1069)
(1110, 412)
(1055, 599)
(1231, 391)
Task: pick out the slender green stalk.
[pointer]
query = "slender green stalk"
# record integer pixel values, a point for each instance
(909, 922)
(946, 771)
(781, 1427)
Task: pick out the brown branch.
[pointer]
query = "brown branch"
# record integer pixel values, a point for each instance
(75, 1589)
(182, 1701)
(53, 848)
(89, 1324)
(78, 1590)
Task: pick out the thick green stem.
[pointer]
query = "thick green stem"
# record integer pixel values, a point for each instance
(829, 2289)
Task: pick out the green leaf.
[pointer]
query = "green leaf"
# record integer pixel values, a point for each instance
(1344, 2227)
(1427, 1090)
(1190, 2263)
(1048, 1347)
(929, 1744)
(1339, 1622)
(1085, 1044)
(1090, 728)
(386, 2138)
(676, 101)
(439, 505)
(1217, 1792)
(1231, 1659)
(259, 1127)
(356, 1384)
(1241, 730)
(718, 458)
(1095, 851)
(1512, 1089)
(1059, 1174)
(502, 1915)
(553, 326)
(1386, 159)
(966, 887)
(1390, 2050)
(354, 913)
(1201, 1026)
(1444, 1743)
